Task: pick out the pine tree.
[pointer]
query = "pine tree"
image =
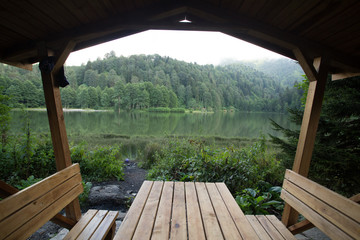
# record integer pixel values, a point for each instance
(336, 158)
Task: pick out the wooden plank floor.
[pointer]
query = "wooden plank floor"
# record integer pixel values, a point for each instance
(177, 210)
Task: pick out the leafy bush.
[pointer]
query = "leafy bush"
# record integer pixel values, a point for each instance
(100, 164)
(256, 201)
(27, 183)
(190, 160)
(83, 197)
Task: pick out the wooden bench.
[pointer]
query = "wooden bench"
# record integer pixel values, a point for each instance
(22, 213)
(336, 216)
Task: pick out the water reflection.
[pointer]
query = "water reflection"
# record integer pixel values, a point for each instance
(237, 124)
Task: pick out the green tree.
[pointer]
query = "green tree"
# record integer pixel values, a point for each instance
(68, 97)
(4, 118)
(335, 162)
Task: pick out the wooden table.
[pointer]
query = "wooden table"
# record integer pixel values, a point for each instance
(177, 210)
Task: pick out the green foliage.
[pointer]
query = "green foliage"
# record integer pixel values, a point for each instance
(83, 197)
(99, 164)
(27, 183)
(335, 161)
(191, 160)
(257, 201)
(4, 118)
(140, 82)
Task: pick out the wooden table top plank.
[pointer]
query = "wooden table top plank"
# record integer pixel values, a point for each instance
(260, 231)
(195, 223)
(269, 228)
(244, 227)
(226, 222)
(211, 225)
(147, 219)
(128, 226)
(161, 228)
(178, 223)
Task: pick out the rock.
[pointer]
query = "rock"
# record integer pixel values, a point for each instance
(108, 194)
(121, 215)
(61, 234)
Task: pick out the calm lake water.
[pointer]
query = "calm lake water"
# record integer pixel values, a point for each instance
(237, 124)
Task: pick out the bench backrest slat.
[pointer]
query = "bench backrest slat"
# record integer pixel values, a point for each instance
(335, 215)
(24, 212)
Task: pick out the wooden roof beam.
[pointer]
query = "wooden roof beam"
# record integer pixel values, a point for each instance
(317, 74)
(344, 75)
(56, 116)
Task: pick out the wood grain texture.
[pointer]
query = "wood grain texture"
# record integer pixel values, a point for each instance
(128, 226)
(322, 223)
(195, 222)
(238, 216)
(178, 223)
(280, 227)
(27, 213)
(211, 225)
(24, 197)
(146, 222)
(83, 222)
(269, 228)
(337, 209)
(30, 227)
(163, 218)
(225, 220)
(105, 226)
(260, 231)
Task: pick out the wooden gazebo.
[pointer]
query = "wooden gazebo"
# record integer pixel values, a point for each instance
(322, 35)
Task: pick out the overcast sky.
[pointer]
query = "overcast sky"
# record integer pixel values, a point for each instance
(189, 46)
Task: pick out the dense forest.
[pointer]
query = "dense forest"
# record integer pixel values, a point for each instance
(140, 82)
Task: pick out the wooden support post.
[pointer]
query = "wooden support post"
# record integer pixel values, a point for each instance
(317, 76)
(56, 120)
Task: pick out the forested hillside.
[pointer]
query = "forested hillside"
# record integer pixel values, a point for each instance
(139, 82)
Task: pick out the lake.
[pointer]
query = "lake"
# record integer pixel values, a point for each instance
(236, 124)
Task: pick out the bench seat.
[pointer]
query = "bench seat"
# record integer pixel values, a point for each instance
(95, 224)
(269, 227)
(22, 213)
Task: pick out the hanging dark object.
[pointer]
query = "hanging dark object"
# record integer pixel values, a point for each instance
(47, 65)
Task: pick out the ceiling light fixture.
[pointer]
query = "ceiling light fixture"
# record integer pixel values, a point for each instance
(185, 20)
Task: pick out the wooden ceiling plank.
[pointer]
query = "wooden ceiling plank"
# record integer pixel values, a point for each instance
(256, 8)
(265, 15)
(109, 6)
(53, 10)
(20, 31)
(21, 25)
(338, 27)
(99, 9)
(76, 11)
(325, 17)
(287, 12)
(34, 13)
(307, 10)
(245, 7)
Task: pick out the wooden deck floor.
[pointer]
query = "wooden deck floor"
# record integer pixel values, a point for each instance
(177, 210)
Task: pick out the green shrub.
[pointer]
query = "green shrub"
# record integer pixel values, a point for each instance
(256, 201)
(27, 183)
(83, 197)
(190, 160)
(100, 164)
